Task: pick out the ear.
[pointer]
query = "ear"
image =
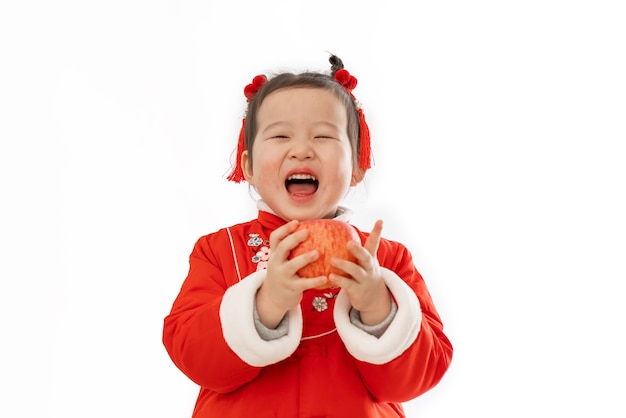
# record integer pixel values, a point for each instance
(357, 176)
(246, 167)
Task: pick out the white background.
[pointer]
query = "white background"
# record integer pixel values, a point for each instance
(498, 135)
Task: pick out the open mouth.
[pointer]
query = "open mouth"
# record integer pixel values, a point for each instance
(301, 184)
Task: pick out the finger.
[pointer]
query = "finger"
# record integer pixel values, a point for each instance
(287, 240)
(292, 240)
(371, 244)
(341, 281)
(364, 258)
(353, 270)
(311, 283)
(302, 260)
(280, 233)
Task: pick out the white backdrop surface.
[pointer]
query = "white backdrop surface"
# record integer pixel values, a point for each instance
(498, 136)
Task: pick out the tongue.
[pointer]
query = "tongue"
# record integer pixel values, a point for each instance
(302, 188)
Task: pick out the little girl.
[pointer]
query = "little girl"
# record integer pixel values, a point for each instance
(261, 341)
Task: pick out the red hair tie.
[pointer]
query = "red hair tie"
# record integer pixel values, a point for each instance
(344, 78)
(249, 91)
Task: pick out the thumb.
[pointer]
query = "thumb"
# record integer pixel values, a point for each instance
(371, 244)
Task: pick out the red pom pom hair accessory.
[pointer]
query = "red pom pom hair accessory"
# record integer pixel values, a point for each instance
(249, 91)
(349, 82)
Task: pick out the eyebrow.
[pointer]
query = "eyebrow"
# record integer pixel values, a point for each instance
(280, 124)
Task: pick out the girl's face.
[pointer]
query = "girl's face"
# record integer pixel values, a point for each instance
(301, 157)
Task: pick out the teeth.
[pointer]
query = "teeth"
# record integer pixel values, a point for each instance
(302, 177)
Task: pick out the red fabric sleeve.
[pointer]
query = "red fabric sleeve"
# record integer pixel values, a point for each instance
(192, 332)
(425, 362)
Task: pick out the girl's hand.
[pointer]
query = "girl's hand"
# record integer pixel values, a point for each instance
(282, 288)
(365, 286)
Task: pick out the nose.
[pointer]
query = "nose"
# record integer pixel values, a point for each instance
(301, 149)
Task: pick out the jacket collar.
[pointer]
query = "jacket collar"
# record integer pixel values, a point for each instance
(270, 220)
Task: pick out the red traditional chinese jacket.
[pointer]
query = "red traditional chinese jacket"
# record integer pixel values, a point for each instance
(325, 365)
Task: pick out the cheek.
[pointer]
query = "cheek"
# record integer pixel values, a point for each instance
(348, 159)
(344, 166)
(265, 167)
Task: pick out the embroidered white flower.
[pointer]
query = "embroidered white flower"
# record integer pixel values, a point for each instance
(262, 255)
(320, 304)
(254, 240)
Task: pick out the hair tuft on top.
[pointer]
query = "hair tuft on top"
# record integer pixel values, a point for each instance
(336, 64)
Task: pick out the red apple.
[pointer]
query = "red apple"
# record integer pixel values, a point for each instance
(330, 238)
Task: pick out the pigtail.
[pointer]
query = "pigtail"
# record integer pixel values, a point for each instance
(335, 64)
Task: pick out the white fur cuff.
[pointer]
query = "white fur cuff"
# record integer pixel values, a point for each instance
(401, 333)
(237, 318)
